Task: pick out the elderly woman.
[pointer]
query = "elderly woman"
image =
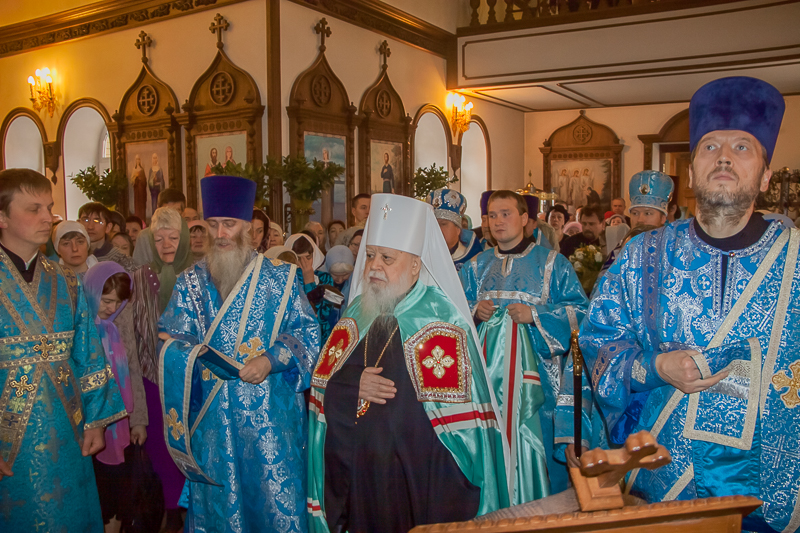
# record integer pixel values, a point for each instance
(71, 242)
(170, 246)
(310, 259)
(275, 235)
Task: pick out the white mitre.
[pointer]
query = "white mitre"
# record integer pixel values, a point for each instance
(408, 225)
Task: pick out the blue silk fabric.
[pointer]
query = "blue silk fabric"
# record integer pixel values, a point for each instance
(740, 436)
(241, 446)
(545, 281)
(56, 384)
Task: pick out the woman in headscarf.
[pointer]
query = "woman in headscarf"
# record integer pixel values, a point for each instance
(108, 290)
(170, 246)
(283, 253)
(260, 229)
(275, 235)
(315, 281)
(71, 242)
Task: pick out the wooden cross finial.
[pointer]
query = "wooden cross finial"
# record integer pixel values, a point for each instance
(143, 42)
(218, 26)
(385, 51)
(324, 30)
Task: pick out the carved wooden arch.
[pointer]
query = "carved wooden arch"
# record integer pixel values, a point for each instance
(583, 139)
(384, 118)
(51, 151)
(485, 130)
(676, 130)
(224, 100)
(318, 103)
(147, 114)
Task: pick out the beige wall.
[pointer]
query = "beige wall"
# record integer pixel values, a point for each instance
(630, 122)
(418, 76)
(104, 67)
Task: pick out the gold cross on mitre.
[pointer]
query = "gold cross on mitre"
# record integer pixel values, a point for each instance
(781, 380)
(176, 426)
(386, 210)
(251, 349)
(143, 42)
(44, 347)
(22, 385)
(218, 26)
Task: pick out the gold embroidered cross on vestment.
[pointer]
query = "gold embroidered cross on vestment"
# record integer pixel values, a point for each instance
(176, 426)
(781, 380)
(22, 385)
(439, 361)
(44, 347)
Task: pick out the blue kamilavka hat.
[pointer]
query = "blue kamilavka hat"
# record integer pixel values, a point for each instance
(228, 197)
(737, 103)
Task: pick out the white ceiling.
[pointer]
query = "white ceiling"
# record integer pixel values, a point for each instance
(635, 60)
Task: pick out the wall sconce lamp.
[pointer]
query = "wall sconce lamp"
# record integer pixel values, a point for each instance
(42, 94)
(460, 112)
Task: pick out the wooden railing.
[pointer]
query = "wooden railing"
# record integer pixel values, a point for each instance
(490, 13)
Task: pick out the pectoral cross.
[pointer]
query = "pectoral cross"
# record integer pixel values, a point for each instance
(218, 26)
(781, 380)
(439, 361)
(386, 210)
(44, 347)
(252, 349)
(176, 426)
(22, 385)
(322, 29)
(143, 42)
(385, 51)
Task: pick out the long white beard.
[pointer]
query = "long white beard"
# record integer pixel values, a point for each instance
(380, 300)
(226, 267)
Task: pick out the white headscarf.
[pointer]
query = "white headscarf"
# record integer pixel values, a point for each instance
(319, 257)
(68, 226)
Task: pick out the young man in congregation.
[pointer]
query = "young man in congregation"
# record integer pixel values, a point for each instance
(241, 342)
(527, 300)
(693, 332)
(59, 393)
(403, 424)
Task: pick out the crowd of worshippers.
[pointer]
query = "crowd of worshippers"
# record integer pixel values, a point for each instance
(407, 369)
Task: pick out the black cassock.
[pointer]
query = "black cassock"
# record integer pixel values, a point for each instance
(387, 471)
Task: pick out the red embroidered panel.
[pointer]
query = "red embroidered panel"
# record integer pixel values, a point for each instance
(438, 363)
(337, 349)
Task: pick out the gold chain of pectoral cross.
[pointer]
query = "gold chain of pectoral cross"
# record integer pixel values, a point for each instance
(363, 405)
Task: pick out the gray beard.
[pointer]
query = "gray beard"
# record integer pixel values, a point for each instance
(227, 267)
(723, 208)
(381, 302)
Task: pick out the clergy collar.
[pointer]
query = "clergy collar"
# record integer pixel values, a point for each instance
(516, 250)
(26, 268)
(752, 232)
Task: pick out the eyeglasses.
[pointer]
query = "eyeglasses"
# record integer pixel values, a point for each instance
(87, 220)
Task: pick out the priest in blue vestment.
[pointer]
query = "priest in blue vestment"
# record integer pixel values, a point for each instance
(241, 342)
(527, 299)
(59, 392)
(448, 208)
(694, 330)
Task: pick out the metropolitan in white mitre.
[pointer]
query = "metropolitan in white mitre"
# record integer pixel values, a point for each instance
(403, 424)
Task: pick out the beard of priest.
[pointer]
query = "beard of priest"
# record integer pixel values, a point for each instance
(391, 453)
(228, 254)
